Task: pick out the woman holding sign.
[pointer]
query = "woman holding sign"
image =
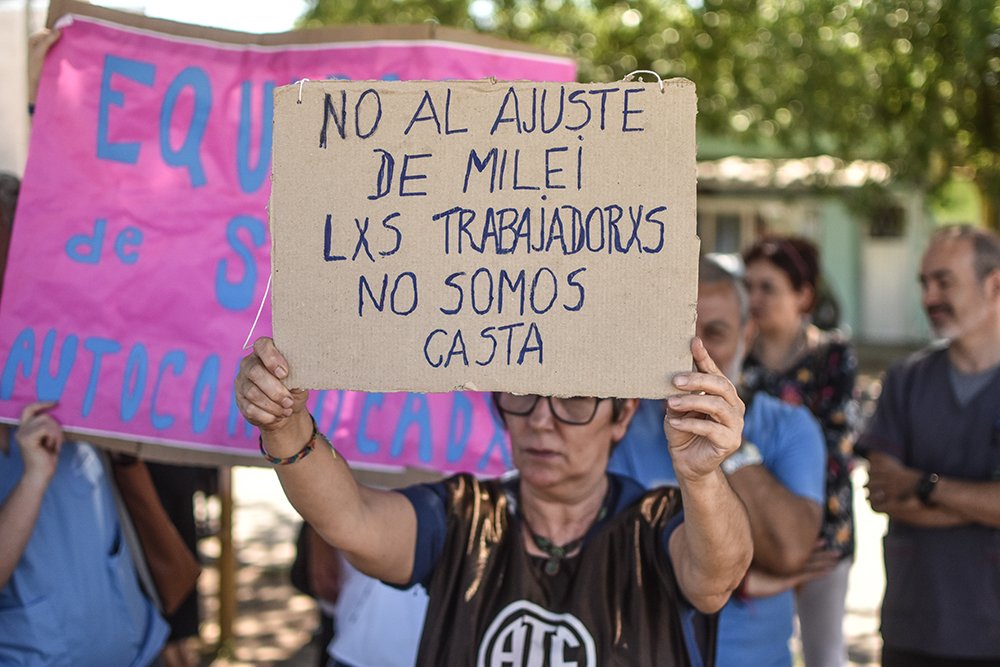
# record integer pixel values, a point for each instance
(558, 564)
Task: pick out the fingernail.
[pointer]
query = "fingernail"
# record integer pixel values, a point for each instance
(674, 401)
(675, 422)
(680, 381)
(281, 373)
(287, 402)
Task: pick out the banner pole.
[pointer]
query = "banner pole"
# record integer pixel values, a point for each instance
(227, 562)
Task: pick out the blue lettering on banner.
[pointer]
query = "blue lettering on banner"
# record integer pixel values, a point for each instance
(98, 347)
(335, 420)
(50, 387)
(459, 428)
(140, 72)
(252, 178)
(239, 296)
(498, 441)
(176, 360)
(22, 355)
(365, 444)
(203, 399)
(87, 249)
(415, 413)
(130, 236)
(134, 384)
(188, 155)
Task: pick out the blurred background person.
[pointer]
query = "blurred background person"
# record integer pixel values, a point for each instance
(778, 472)
(797, 362)
(933, 446)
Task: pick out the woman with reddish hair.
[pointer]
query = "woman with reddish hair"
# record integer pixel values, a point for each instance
(803, 365)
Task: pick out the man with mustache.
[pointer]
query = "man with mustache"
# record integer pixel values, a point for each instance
(934, 451)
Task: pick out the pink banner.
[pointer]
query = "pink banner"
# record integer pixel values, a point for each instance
(140, 252)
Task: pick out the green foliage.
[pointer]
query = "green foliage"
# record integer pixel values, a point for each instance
(913, 83)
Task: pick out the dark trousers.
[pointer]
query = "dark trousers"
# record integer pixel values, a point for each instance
(892, 657)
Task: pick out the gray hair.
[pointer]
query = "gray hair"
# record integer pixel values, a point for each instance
(985, 247)
(716, 268)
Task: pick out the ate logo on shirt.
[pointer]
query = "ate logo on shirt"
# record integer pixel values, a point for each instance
(526, 635)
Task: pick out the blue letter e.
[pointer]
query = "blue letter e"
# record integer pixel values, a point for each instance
(141, 72)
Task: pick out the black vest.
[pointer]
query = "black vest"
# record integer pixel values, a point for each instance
(616, 603)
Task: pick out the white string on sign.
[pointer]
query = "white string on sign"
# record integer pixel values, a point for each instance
(267, 288)
(628, 77)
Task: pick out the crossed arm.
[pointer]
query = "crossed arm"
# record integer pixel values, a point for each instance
(784, 525)
(892, 489)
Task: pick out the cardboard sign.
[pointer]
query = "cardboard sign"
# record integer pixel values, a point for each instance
(485, 235)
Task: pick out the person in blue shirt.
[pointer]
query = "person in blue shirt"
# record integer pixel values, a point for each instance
(778, 473)
(69, 592)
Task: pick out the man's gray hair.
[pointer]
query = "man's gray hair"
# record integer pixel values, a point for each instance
(716, 268)
(985, 247)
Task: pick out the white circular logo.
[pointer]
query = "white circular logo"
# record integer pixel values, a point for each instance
(526, 635)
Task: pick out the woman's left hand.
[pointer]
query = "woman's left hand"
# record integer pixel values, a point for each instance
(704, 426)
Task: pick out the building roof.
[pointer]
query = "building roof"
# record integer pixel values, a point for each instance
(733, 173)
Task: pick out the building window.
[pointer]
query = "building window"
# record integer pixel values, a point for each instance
(727, 233)
(887, 222)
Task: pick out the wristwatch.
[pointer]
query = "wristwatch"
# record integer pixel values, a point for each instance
(746, 455)
(925, 487)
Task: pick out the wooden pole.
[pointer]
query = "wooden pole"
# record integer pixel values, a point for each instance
(227, 562)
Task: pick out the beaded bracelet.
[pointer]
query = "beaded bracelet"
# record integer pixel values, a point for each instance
(303, 453)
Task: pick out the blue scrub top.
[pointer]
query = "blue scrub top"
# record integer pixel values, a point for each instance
(74, 599)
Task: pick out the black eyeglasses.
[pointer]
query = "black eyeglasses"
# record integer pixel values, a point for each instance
(575, 410)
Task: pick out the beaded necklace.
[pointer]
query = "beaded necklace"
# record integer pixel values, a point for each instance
(556, 554)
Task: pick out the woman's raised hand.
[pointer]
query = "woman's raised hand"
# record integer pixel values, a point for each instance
(704, 426)
(260, 394)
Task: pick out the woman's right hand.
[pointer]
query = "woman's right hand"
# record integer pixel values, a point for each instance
(260, 395)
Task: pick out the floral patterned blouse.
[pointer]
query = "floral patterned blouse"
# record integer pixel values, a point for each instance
(823, 380)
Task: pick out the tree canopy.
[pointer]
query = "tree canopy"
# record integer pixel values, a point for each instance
(913, 83)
